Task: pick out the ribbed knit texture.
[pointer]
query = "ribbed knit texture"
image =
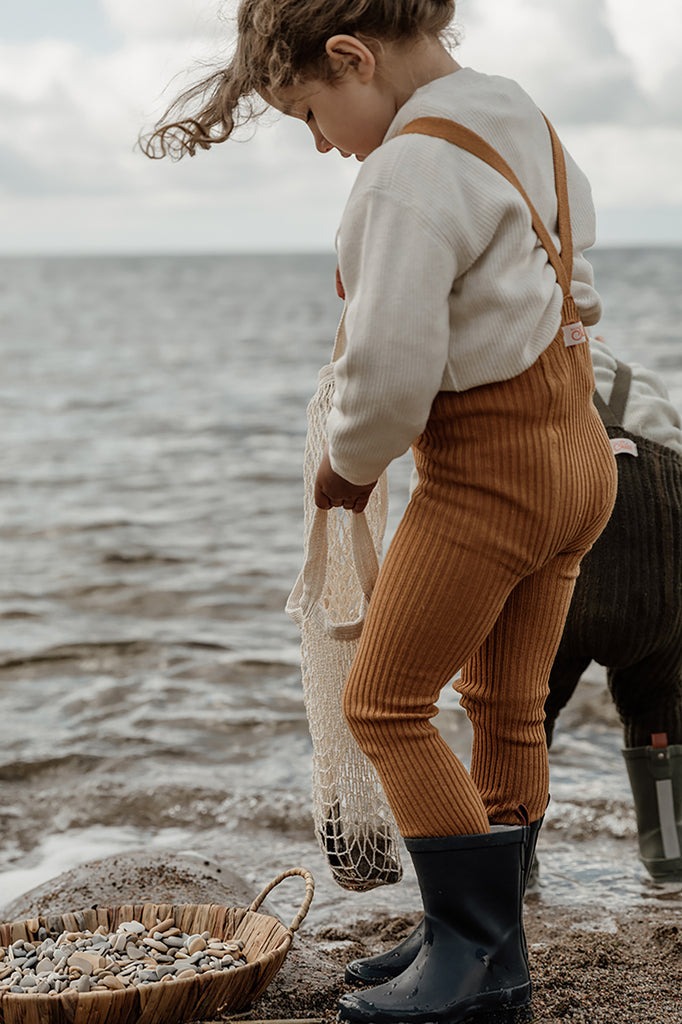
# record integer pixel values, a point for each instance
(446, 286)
(648, 410)
(516, 481)
(627, 609)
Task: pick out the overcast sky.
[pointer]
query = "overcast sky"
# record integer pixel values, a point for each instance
(79, 78)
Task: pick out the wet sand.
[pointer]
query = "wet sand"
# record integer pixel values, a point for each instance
(587, 969)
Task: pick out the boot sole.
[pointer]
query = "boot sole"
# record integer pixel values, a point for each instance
(517, 1010)
(512, 1015)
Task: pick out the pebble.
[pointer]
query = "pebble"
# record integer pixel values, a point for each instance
(111, 981)
(134, 952)
(132, 926)
(101, 960)
(160, 947)
(164, 969)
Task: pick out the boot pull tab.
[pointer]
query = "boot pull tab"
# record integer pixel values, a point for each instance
(665, 797)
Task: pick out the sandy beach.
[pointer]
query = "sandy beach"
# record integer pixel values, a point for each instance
(587, 968)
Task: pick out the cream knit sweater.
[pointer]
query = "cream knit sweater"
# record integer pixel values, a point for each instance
(447, 286)
(648, 410)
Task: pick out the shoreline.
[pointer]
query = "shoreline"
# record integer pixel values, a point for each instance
(586, 969)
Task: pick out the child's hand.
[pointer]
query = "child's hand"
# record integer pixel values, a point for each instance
(332, 491)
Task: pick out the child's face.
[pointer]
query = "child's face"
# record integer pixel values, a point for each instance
(348, 115)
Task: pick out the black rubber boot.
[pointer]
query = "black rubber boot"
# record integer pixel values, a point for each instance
(656, 781)
(473, 957)
(373, 969)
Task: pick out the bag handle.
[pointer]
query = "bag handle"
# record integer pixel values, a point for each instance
(304, 600)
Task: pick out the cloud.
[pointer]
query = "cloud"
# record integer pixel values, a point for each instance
(178, 19)
(565, 55)
(649, 35)
(71, 117)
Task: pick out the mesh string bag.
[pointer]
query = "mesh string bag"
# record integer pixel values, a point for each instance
(353, 822)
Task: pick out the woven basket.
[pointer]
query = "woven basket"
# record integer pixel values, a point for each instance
(266, 942)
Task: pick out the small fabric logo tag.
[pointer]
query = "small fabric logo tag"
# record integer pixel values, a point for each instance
(574, 334)
(623, 446)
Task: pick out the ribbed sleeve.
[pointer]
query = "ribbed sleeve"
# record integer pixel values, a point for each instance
(385, 383)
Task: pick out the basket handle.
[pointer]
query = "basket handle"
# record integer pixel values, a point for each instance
(307, 899)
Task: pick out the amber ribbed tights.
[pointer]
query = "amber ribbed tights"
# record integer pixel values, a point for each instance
(516, 481)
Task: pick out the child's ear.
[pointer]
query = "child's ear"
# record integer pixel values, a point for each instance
(347, 52)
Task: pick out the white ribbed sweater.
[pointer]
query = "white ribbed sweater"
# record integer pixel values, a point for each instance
(447, 286)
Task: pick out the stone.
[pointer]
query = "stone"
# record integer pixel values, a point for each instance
(163, 969)
(86, 962)
(196, 943)
(112, 982)
(136, 927)
(160, 947)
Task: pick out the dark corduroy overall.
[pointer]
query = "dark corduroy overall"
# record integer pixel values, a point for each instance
(626, 611)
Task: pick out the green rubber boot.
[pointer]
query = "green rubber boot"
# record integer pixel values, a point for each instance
(656, 781)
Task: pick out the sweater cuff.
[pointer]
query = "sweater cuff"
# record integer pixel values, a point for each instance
(356, 471)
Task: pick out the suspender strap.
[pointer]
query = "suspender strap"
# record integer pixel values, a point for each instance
(464, 138)
(620, 391)
(605, 411)
(563, 206)
(613, 414)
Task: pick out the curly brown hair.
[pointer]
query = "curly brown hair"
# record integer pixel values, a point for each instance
(282, 43)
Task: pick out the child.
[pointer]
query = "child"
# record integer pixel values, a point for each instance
(463, 340)
(626, 611)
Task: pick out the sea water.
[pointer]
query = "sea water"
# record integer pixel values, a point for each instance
(152, 414)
